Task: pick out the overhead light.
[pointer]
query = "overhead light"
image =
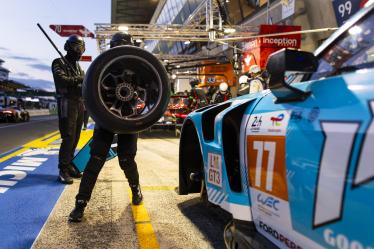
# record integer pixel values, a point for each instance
(139, 40)
(178, 66)
(187, 42)
(173, 76)
(166, 61)
(227, 1)
(229, 30)
(355, 30)
(123, 28)
(145, 47)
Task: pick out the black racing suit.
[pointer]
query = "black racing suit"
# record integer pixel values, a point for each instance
(221, 97)
(70, 107)
(101, 142)
(126, 150)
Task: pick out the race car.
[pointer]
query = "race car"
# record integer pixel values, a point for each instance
(293, 165)
(14, 114)
(177, 109)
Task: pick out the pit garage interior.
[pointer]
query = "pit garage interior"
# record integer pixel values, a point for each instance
(207, 42)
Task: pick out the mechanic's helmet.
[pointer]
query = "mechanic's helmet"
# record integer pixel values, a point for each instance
(223, 87)
(243, 79)
(254, 69)
(75, 45)
(120, 38)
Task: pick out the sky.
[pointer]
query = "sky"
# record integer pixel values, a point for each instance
(23, 47)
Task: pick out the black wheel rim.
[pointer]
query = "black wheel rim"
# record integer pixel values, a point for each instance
(130, 87)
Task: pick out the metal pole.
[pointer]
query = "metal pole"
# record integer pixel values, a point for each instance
(55, 47)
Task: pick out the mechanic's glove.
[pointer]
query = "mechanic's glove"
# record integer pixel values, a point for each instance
(78, 80)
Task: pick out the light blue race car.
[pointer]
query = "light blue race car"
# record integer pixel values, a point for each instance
(294, 164)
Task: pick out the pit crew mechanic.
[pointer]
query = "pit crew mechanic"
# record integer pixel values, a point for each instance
(222, 94)
(102, 140)
(68, 77)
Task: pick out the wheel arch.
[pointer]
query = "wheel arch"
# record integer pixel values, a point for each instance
(190, 159)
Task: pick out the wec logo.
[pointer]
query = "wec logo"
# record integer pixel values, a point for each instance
(268, 201)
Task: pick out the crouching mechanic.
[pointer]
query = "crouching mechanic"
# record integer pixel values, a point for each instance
(102, 140)
(222, 94)
(68, 77)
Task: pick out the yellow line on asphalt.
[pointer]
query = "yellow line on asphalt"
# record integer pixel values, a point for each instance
(145, 232)
(46, 141)
(3, 159)
(43, 141)
(153, 188)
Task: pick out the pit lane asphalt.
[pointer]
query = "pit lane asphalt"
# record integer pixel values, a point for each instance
(110, 220)
(13, 135)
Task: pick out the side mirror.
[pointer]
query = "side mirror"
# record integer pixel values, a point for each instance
(287, 60)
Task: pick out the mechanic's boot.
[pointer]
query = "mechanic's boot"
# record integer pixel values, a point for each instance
(74, 172)
(64, 177)
(137, 195)
(77, 214)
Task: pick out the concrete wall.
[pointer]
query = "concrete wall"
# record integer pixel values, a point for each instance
(313, 14)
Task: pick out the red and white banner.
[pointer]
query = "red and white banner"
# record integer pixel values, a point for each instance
(67, 30)
(258, 50)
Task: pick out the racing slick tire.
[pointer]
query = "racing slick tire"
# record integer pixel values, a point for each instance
(126, 89)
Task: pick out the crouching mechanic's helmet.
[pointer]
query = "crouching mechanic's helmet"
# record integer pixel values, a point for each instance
(120, 38)
(223, 87)
(75, 45)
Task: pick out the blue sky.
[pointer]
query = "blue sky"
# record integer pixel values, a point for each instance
(27, 53)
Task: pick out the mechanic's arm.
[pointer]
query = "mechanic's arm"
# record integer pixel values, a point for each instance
(64, 79)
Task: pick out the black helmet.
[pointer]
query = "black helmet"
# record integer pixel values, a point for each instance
(76, 44)
(121, 38)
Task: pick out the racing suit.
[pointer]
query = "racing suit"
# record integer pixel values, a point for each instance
(257, 84)
(126, 151)
(70, 106)
(221, 97)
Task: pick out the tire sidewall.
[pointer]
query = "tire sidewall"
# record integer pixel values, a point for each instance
(96, 108)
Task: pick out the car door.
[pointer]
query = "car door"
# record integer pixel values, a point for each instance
(311, 163)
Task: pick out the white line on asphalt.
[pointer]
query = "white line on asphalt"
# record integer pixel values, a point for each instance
(8, 126)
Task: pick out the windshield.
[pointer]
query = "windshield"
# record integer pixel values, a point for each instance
(353, 50)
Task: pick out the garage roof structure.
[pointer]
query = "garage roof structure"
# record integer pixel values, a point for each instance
(133, 11)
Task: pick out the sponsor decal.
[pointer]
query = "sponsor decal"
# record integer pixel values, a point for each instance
(278, 236)
(215, 169)
(268, 201)
(341, 241)
(256, 123)
(251, 44)
(276, 121)
(271, 123)
(280, 42)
